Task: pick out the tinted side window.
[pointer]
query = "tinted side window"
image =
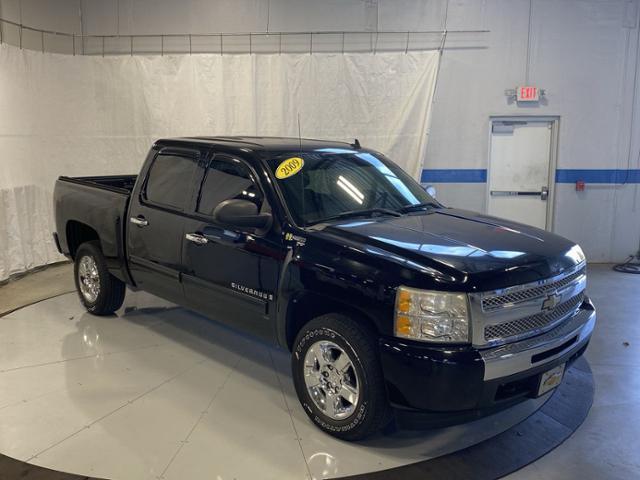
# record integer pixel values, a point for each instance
(227, 178)
(170, 180)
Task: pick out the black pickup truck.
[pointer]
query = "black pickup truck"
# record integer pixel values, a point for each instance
(390, 303)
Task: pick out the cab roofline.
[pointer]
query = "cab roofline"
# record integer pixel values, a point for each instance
(260, 143)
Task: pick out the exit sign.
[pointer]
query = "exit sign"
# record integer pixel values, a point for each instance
(527, 94)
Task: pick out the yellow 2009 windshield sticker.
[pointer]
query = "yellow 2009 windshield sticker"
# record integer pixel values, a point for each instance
(289, 167)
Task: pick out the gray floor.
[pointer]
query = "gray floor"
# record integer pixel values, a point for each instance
(35, 286)
(605, 446)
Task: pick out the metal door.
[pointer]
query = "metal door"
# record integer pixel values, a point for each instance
(520, 171)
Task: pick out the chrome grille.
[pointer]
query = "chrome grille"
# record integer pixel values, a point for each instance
(532, 324)
(495, 302)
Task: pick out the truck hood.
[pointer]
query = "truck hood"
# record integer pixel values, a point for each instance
(482, 251)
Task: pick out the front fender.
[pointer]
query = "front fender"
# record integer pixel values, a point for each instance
(314, 283)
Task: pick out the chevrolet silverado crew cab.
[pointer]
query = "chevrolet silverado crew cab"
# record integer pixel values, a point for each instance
(391, 303)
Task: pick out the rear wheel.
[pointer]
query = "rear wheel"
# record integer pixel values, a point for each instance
(100, 292)
(338, 377)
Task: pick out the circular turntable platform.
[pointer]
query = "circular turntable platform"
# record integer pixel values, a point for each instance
(160, 392)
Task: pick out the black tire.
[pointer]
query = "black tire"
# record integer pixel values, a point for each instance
(111, 290)
(372, 411)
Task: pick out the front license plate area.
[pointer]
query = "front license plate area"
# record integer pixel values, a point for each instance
(550, 379)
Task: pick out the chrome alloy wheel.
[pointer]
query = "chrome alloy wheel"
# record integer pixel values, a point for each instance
(331, 379)
(89, 279)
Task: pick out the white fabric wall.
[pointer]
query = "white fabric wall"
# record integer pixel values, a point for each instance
(585, 53)
(64, 115)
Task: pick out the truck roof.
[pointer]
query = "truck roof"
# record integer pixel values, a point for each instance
(261, 143)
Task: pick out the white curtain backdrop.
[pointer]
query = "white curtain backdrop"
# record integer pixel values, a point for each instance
(66, 115)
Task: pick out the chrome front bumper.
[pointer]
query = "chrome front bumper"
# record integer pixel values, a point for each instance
(534, 352)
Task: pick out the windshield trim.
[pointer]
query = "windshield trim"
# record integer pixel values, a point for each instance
(357, 213)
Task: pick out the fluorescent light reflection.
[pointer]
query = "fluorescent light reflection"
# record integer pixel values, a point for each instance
(351, 189)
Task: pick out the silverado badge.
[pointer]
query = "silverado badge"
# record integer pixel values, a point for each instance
(252, 291)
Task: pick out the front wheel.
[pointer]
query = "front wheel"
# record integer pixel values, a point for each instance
(100, 292)
(338, 377)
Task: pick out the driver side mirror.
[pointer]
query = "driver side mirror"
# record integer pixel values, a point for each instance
(431, 190)
(241, 213)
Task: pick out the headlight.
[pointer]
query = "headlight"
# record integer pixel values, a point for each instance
(576, 254)
(431, 316)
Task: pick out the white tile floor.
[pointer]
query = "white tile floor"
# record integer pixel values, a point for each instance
(159, 392)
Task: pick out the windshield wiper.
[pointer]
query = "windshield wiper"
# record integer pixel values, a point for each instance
(359, 213)
(417, 206)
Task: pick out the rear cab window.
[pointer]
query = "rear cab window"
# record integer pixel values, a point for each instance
(169, 180)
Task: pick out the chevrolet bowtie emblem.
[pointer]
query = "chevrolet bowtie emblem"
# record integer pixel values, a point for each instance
(551, 301)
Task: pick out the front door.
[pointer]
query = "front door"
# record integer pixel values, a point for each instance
(519, 171)
(231, 274)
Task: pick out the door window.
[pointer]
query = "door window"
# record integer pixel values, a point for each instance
(227, 178)
(169, 180)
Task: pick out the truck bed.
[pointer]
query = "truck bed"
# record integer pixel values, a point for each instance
(120, 183)
(95, 207)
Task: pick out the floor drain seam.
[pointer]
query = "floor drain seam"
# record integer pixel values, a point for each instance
(13, 369)
(199, 419)
(293, 423)
(27, 400)
(127, 403)
(42, 395)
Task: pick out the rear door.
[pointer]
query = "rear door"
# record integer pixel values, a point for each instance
(231, 274)
(156, 222)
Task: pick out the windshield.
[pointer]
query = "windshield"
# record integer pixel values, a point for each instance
(332, 183)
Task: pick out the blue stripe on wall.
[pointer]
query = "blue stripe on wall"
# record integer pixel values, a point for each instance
(597, 176)
(447, 175)
(563, 175)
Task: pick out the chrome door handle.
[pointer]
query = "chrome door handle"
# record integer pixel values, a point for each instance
(196, 238)
(139, 221)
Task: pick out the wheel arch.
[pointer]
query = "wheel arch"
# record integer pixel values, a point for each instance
(306, 306)
(79, 233)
